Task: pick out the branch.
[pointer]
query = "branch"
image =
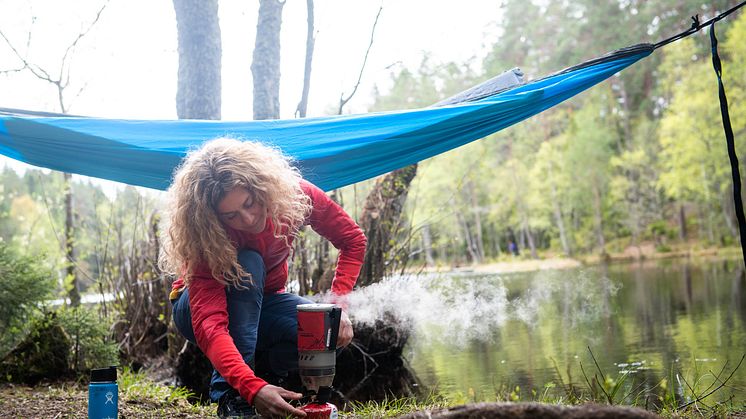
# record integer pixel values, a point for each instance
(75, 42)
(366, 356)
(13, 70)
(68, 258)
(35, 70)
(342, 100)
(41, 73)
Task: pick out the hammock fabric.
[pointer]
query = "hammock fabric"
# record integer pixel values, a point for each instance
(330, 151)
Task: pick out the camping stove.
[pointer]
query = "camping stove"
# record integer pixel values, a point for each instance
(318, 326)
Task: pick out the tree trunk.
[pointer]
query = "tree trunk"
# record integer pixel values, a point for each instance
(303, 271)
(561, 225)
(727, 206)
(470, 247)
(310, 43)
(598, 216)
(71, 280)
(479, 240)
(322, 267)
(707, 204)
(198, 97)
(559, 218)
(380, 220)
(427, 246)
(265, 66)
(307, 280)
(323, 273)
(682, 223)
(495, 240)
(530, 238)
(199, 82)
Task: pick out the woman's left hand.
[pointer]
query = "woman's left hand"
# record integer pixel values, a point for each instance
(345, 331)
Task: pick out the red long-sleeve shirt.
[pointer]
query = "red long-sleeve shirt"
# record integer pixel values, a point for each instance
(207, 297)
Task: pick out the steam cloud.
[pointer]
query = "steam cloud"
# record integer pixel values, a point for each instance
(460, 308)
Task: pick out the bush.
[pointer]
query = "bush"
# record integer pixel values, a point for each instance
(60, 344)
(90, 338)
(24, 284)
(42, 354)
(660, 231)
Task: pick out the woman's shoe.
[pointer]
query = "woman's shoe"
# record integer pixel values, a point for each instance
(232, 405)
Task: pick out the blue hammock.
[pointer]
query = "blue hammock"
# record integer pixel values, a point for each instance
(331, 151)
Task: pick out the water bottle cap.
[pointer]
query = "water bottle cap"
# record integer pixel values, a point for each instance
(104, 375)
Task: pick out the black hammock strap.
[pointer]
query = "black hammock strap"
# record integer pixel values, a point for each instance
(696, 26)
(729, 139)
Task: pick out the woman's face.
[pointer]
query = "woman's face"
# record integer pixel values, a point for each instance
(239, 210)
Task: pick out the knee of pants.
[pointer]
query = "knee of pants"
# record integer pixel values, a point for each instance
(253, 264)
(278, 332)
(182, 317)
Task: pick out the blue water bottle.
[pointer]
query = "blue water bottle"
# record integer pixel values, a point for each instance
(103, 394)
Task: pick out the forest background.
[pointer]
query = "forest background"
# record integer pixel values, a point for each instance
(636, 162)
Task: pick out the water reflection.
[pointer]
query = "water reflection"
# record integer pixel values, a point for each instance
(671, 320)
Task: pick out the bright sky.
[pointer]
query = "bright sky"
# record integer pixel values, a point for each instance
(126, 66)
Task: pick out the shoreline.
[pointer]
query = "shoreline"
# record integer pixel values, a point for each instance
(637, 254)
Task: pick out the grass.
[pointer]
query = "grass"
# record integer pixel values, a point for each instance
(136, 390)
(139, 397)
(681, 395)
(687, 394)
(395, 407)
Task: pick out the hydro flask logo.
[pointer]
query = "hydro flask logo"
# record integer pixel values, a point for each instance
(109, 398)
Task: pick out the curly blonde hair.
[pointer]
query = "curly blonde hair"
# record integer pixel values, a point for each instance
(196, 234)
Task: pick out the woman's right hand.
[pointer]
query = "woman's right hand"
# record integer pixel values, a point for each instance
(270, 402)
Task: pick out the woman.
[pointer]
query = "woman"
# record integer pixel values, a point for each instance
(234, 210)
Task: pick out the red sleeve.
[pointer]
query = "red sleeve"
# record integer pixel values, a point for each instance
(332, 222)
(209, 307)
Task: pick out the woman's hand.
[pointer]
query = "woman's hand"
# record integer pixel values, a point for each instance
(270, 402)
(345, 331)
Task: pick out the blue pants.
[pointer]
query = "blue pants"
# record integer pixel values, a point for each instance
(256, 322)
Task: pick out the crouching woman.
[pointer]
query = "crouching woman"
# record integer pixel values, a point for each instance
(235, 207)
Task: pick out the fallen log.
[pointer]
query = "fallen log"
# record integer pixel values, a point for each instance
(532, 410)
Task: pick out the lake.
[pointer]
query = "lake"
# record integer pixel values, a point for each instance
(666, 323)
